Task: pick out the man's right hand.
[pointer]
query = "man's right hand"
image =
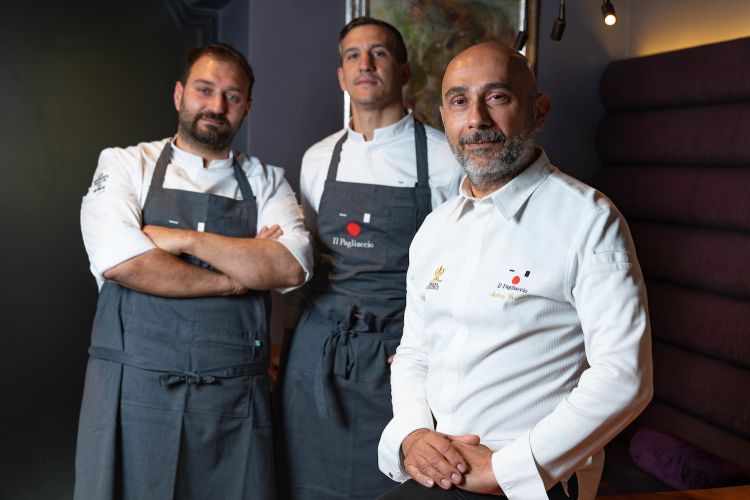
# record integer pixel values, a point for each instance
(430, 458)
(272, 233)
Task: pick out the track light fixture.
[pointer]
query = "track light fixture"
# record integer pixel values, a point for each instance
(608, 11)
(559, 26)
(521, 38)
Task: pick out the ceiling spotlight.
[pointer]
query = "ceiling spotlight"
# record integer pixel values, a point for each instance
(521, 38)
(559, 26)
(608, 11)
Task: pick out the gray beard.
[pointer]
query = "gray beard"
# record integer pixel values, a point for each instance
(488, 169)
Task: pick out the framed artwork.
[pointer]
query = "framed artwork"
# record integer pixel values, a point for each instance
(436, 30)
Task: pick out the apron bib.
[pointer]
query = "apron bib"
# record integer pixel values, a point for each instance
(176, 402)
(336, 387)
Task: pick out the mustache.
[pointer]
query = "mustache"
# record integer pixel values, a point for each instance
(483, 136)
(213, 116)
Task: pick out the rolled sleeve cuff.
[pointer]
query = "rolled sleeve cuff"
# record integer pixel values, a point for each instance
(118, 251)
(516, 472)
(390, 458)
(300, 250)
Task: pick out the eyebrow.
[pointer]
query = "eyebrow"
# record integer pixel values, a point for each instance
(212, 84)
(369, 47)
(486, 87)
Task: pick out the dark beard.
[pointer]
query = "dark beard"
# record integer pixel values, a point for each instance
(210, 137)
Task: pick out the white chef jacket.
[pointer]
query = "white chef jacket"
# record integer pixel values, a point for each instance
(111, 212)
(526, 323)
(389, 159)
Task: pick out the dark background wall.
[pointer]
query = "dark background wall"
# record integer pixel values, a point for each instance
(78, 76)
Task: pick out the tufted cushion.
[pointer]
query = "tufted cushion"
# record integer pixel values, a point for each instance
(680, 464)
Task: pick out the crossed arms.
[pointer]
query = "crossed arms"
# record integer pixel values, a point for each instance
(259, 263)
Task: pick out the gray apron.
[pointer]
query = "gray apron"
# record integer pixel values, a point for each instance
(336, 395)
(176, 402)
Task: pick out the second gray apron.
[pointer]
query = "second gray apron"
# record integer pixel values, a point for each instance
(336, 397)
(176, 402)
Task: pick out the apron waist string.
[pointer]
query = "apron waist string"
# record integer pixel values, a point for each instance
(337, 358)
(171, 377)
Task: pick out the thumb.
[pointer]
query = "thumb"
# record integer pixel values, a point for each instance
(471, 439)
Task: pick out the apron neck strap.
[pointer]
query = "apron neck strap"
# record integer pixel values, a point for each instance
(333, 167)
(160, 169)
(420, 147)
(245, 189)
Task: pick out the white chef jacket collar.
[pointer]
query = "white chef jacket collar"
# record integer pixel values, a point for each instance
(182, 157)
(387, 133)
(509, 198)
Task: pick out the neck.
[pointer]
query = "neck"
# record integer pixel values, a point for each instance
(365, 119)
(208, 155)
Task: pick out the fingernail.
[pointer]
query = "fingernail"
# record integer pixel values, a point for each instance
(455, 477)
(430, 483)
(461, 468)
(445, 483)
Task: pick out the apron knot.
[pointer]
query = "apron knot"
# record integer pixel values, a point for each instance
(337, 358)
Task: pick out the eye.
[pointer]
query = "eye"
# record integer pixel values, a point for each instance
(351, 56)
(380, 53)
(204, 90)
(498, 98)
(458, 101)
(234, 98)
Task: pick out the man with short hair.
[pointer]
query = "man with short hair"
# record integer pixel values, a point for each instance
(526, 334)
(185, 238)
(365, 190)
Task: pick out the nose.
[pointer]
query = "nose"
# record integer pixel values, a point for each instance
(217, 103)
(366, 62)
(479, 117)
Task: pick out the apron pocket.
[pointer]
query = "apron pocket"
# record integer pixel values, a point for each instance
(371, 352)
(225, 397)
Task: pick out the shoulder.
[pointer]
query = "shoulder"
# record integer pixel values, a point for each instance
(134, 155)
(321, 151)
(257, 170)
(575, 195)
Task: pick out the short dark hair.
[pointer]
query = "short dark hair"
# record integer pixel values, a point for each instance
(399, 47)
(222, 52)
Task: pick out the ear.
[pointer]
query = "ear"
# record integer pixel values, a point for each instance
(442, 117)
(405, 73)
(542, 109)
(340, 75)
(178, 90)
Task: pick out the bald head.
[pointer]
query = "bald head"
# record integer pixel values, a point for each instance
(491, 111)
(479, 59)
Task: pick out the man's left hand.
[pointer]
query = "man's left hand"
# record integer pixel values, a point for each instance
(169, 239)
(479, 477)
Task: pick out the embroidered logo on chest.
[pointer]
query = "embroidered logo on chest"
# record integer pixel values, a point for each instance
(434, 283)
(515, 282)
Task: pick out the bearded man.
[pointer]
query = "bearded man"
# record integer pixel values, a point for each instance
(526, 343)
(185, 238)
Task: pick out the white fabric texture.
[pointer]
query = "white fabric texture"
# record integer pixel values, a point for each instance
(111, 211)
(389, 159)
(526, 323)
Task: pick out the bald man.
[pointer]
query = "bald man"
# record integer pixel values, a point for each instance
(526, 344)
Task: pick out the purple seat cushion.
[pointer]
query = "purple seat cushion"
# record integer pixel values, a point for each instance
(680, 464)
